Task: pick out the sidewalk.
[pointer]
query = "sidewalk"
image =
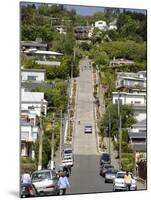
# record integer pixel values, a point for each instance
(114, 161)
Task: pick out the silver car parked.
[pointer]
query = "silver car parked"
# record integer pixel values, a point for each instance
(45, 182)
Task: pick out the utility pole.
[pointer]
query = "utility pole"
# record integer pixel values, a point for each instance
(40, 141)
(109, 132)
(60, 134)
(120, 132)
(52, 145)
(120, 143)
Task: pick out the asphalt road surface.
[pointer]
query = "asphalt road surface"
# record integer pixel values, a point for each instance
(85, 176)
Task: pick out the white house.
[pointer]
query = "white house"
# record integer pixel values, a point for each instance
(129, 98)
(119, 62)
(42, 54)
(34, 102)
(124, 81)
(137, 100)
(139, 127)
(33, 44)
(33, 75)
(49, 63)
(112, 26)
(131, 79)
(61, 29)
(102, 25)
(29, 134)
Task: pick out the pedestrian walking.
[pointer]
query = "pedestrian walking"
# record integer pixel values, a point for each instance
(128, 180)
(63, 183)
(26, 178)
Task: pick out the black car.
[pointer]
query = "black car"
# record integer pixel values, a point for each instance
(105, 159)
(28, 190)
(105, 168)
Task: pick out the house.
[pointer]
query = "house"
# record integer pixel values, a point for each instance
(34, 102)
(137, 138)
(29, 134)
(42, 54)
(49, 63)
(112, 26)
(81, 29)
(119, 62)
(33, 44)
(61, 29)
(136, 100)
(33, 75)
(129, 98)
(131, 80)
(102, 25)
(139, 127)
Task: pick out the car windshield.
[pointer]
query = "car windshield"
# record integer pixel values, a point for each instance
(112, 172)
(68, 151)
(120, 175)
(41, 176)
(88, 126)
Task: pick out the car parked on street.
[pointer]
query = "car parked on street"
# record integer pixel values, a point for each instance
(104, 169)
(67, 152)
(105, 158)
(67, 160)
(119, 183)
(45, 182)
(28, 190)
(110, 175)
(87, 129)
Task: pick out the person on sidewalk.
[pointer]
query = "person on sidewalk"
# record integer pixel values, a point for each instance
(26, 178)
(128, 181)
(63, 183)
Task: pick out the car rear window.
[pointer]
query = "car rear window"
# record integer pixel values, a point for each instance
(68, 151)
(41, 176)
(108, 166)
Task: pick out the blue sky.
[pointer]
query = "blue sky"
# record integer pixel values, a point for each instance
(86, 10)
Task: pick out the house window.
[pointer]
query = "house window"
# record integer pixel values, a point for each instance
(137, 102)
(31, 107)
(31, 78)
(25, 135)
(23, 149)
(34, 135)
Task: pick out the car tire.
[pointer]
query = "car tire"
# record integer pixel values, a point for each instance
(114, 189)
(105, 181)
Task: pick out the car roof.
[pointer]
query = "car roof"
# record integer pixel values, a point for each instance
(67, 149)
(43, 170)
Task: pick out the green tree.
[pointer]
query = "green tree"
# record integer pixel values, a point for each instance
(127, 115)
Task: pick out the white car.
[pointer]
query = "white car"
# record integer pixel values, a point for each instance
(119, 183)
(67, 160)
(67, 152)
(45, 182)
(87, 129)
